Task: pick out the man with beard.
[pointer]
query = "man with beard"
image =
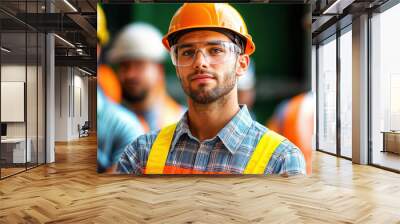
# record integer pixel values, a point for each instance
(210, 47)
(138, 53)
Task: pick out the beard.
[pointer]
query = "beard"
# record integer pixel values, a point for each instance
(134, 97)
(204, 95)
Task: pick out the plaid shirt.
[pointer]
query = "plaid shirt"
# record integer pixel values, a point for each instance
(228, 152)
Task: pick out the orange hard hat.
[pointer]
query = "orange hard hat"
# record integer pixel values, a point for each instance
(209, 15)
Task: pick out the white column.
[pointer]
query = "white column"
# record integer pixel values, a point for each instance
(50, 92)
(360, 90)
(50, 100)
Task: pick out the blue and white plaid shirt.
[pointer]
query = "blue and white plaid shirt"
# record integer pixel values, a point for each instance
(228, 152)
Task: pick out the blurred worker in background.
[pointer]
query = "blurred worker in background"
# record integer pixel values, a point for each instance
(139, 55)
(246, 89)
(116, 127)
(294, 119)
(210, 48)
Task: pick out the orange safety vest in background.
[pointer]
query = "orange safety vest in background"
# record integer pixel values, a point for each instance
(109, 83)
(296, 122)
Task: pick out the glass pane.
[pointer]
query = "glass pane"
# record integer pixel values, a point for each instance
(327, 96)
(346, 94)
(21, 66)
(13, 86)
(386, 88)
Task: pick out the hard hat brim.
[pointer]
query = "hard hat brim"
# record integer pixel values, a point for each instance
(249, 48)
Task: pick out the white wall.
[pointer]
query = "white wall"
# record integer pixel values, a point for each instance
(71, 94)
(16, 73)
(61, 103)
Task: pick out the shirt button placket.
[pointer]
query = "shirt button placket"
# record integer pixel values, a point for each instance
(202, 157)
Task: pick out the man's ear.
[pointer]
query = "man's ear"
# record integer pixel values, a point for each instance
(243, 64)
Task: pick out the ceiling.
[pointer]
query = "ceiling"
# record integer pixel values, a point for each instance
(22, 23)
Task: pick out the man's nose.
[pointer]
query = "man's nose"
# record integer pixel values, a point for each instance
(200, 60)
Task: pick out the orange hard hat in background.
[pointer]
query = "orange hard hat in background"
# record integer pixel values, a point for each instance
(209, 15)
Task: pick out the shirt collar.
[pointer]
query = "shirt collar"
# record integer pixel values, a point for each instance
(181, 128)
(231, 135)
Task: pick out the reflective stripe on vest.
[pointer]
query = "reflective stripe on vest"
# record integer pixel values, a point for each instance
(263, 152)
(267, 145)
(159, 151)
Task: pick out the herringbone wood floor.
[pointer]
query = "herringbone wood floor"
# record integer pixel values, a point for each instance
(70, 191)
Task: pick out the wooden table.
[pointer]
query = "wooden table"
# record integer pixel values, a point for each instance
(391, 141)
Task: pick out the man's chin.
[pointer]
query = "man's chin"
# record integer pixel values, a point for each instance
(203, 89)
(203, 98)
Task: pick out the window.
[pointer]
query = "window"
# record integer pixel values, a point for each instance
(346, 92)
(385, 88)
(327, 96)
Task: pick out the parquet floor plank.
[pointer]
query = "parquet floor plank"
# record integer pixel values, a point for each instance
(70, 191)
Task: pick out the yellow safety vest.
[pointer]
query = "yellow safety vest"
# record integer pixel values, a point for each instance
(256, 165)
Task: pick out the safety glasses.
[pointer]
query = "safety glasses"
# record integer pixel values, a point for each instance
(214, 52)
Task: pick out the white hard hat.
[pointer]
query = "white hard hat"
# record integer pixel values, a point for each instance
(137, 41)
(247, 80)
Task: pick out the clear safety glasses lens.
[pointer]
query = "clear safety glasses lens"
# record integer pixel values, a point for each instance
(215, 52)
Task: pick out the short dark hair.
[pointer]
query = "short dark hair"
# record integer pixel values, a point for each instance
(235, 38)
